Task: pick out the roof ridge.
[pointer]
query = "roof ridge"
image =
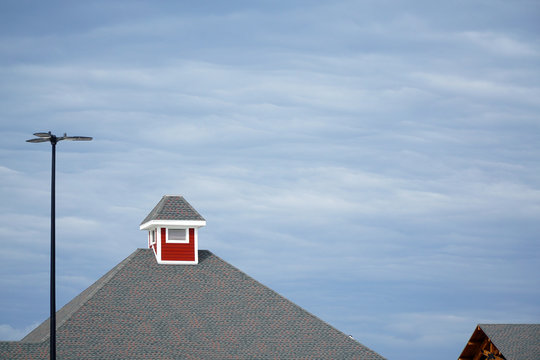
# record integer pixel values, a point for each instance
(191, 207)
(294, 304)
(155, 210)
(170, 311)
(172, 207)
(42, 333)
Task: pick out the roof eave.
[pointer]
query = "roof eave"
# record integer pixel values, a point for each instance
(154, 223)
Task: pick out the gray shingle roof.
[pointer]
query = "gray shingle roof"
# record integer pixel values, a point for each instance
(143, 310)
(173, 207)
(515, 341)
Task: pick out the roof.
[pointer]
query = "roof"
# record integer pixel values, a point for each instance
(142, 310)
(173, 207)
(514, 341)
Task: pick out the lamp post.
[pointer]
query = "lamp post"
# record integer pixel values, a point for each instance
(53, 139)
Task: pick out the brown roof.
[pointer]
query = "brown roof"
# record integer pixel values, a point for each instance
(143, 310)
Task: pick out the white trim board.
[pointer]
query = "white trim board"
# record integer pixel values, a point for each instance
(180, 223)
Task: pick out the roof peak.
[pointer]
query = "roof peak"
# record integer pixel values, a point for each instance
(186, 311)
(173, 207)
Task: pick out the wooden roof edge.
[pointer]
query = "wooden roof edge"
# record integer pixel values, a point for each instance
(477, 338)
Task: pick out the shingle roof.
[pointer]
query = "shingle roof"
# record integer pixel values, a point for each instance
(143, 310)
(173, 207)
(515, 341)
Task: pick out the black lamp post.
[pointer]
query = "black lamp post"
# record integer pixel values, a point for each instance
(53, 139)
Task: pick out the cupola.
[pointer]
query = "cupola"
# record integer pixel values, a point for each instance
(172, 228)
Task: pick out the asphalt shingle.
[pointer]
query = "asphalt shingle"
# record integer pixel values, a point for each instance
(515, 341)
(173, 207)
(143, 310)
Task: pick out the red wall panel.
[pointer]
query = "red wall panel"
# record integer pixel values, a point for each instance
(178, 252)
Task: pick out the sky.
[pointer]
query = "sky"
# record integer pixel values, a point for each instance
(376, 162)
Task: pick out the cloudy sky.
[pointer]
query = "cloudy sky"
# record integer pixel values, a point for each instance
(376, 162)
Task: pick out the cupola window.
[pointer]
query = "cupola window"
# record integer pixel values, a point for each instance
(176, 236)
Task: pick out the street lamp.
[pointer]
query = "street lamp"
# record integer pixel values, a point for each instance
(53, 139)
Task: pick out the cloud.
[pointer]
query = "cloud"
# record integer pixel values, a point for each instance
(427, 329)
(364, 159)
(9, 333)
(461, 86)
(74, 225)
(500, 44)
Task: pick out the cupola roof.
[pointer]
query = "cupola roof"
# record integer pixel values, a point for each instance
(173, 208)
